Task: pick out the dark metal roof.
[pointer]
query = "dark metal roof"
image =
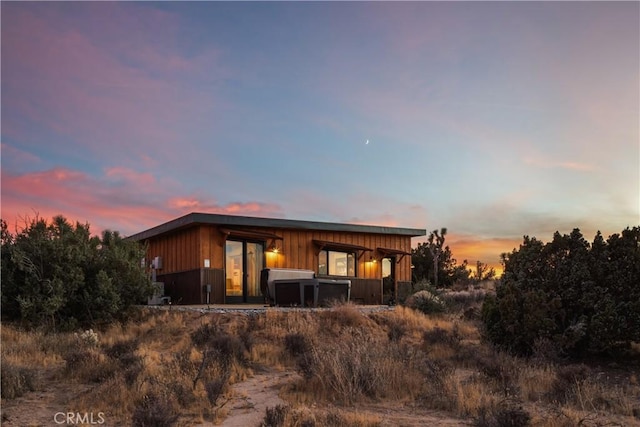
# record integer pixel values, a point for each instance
(246, 221)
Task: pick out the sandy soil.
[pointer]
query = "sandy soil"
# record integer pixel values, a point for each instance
(252, 397)
(39, 408)
(245, 407)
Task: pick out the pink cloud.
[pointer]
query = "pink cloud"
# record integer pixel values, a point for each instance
(122, 200)
(130, 176)
(129, 201)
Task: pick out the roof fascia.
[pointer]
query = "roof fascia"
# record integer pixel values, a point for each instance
(233, 220)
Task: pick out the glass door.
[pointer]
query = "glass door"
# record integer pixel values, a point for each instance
(388, 279)
(255, 264)
(244, 260)
(234, 268)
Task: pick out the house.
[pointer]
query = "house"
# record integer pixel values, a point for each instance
(220, 257)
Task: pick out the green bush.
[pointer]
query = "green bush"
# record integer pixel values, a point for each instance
(579, 297)
(56, 274)
(427, 299)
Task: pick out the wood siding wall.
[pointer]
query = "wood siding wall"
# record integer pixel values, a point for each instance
(186, 250)
(297, 250)
(189, 287)
(180, 250)
(366, 291)
(183, 287)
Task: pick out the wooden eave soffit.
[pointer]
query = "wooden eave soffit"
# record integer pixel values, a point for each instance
(323, 244)
(393, 252)
(250, 234)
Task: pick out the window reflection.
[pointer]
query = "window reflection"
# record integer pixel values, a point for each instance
(336, 263)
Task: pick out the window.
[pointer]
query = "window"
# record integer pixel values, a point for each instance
(386, 267)
(335, 263)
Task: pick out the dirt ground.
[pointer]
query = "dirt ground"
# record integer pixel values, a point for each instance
(245, 407)
(252, 397)
(46, 407)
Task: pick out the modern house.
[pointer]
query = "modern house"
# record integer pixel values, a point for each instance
(220, 257)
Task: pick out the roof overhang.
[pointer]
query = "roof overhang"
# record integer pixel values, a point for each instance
(324, 244)
(388, 252)
(249, 234)
(233, 221)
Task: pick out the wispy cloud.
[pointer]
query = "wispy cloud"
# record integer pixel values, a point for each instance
(14, 158)
(121, 199)
(569, 165)
(133, 107)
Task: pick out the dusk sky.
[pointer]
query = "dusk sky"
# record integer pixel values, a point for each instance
(495, 120)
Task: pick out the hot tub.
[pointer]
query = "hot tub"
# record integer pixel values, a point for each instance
(290, 287)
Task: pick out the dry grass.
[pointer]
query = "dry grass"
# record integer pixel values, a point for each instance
(284, 415)
(34, 349)
(174, 362)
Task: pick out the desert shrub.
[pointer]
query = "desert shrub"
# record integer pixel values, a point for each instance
(582, 297)
(246, 336)
(545, 351)
(204, 334)
(304, 417)
(358, 366)
(229, 348)
(123, 352)
(505, 415)
(396, 331)
(297, 344)
(426, 301)
(57, 275)
(502, 370)
(88, 338)
(15, 381)
(275, 416)
(183, 363)
(513, 416)
(90, 365)
(132, 370)
(154, 411)
(305, 363)
(338, 418)
(121, 349)
(439, 335)
(77, 358)
(438, 379)
(344, 315)
(182, 392)
(215, 389)
(463, 300)
(567, 379)
(211, 337)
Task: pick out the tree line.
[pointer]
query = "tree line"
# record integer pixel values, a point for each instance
(433, 261)
(568, 295)
(56, 274)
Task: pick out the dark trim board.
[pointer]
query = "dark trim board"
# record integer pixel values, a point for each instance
(244, 221)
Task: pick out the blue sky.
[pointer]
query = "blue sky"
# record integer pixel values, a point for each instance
(495, 120)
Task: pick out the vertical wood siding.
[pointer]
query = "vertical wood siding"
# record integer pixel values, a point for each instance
(185, 250)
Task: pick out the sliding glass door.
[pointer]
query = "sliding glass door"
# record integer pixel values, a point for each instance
(244, 260)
